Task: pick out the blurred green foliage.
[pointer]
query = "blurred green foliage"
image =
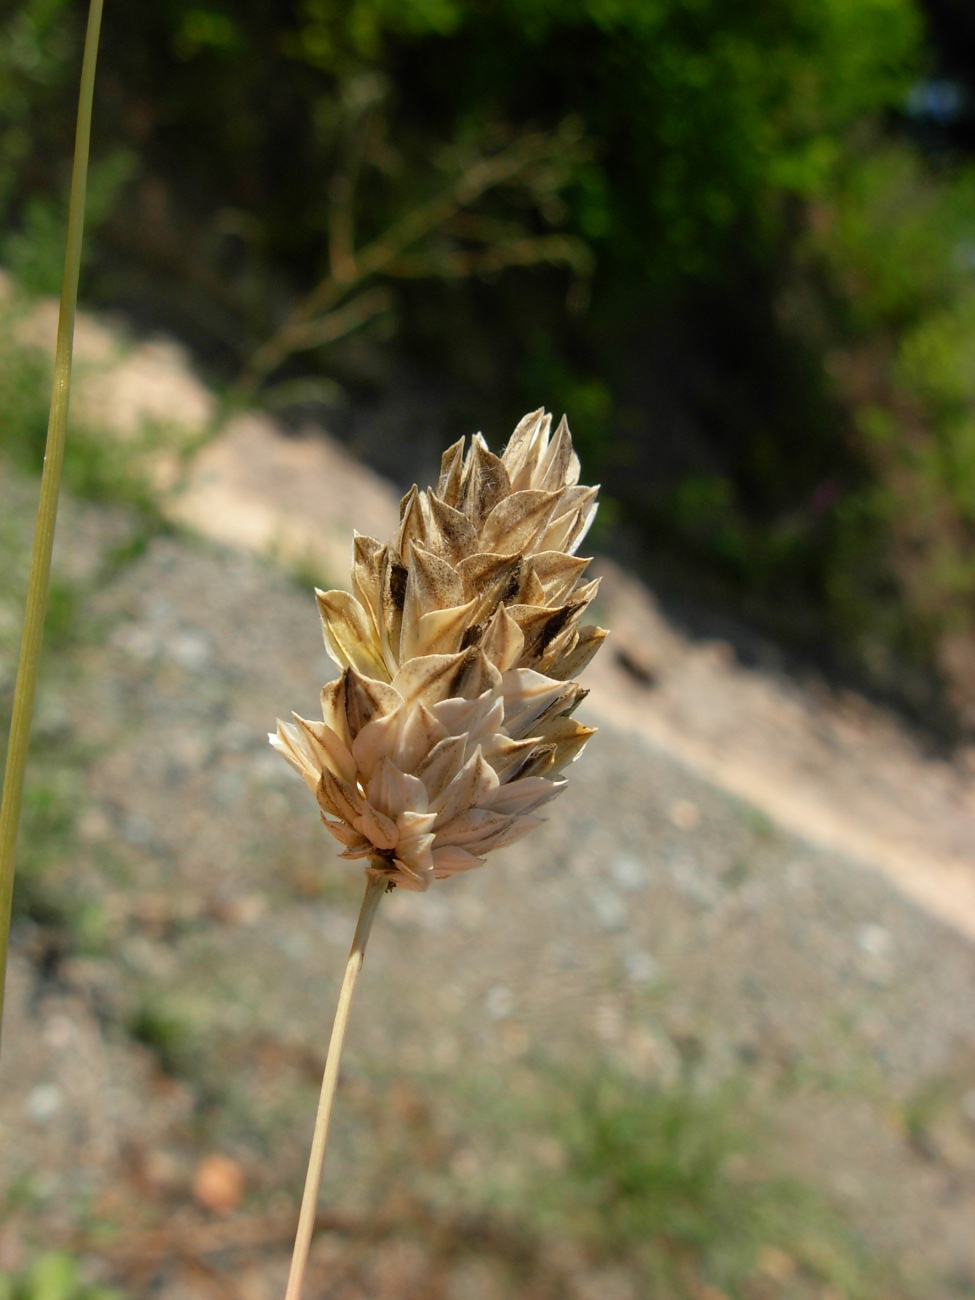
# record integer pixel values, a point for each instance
(38, 47)
(259, 120)
(37, 43)
(54, 1276)
(95, 468)
(34, 249)
(706, 114)
(695, 226)
(673, 1183)
(894, 246)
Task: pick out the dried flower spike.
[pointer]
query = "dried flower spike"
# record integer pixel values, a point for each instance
(451, 720)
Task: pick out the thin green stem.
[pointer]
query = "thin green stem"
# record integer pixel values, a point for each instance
(376, 885)
(40, 565)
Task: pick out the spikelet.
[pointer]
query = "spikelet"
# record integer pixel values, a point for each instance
(451, 721)
(488, 560)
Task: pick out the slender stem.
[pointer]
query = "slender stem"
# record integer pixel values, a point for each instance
(375, 888)
(40, 564)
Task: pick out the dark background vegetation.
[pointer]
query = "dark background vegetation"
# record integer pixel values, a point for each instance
(733, 239)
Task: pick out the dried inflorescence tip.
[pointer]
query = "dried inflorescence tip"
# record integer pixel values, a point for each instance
(451, 721)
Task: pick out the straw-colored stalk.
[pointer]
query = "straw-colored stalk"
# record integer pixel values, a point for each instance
(40, 566)
(376, 886)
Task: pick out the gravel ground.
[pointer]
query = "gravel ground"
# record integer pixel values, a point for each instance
(653, 922)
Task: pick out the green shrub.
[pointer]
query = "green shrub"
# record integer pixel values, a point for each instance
(894, 247)
(269, 135)
(38, 39)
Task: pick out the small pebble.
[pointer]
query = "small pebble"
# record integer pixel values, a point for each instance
(686, 816)
(640, 966)
(875, 941)
(775, 1264)
(499, 1002)
(692, 881)
(610, 909)
(218, 1184)
(609, 1022)
(59, 1032)
(94, 825)
(137, 641)
(43, 1102)
(136, 829)
(629, 872)
(190, 650)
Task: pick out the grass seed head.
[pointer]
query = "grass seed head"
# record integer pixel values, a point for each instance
(451, 721)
